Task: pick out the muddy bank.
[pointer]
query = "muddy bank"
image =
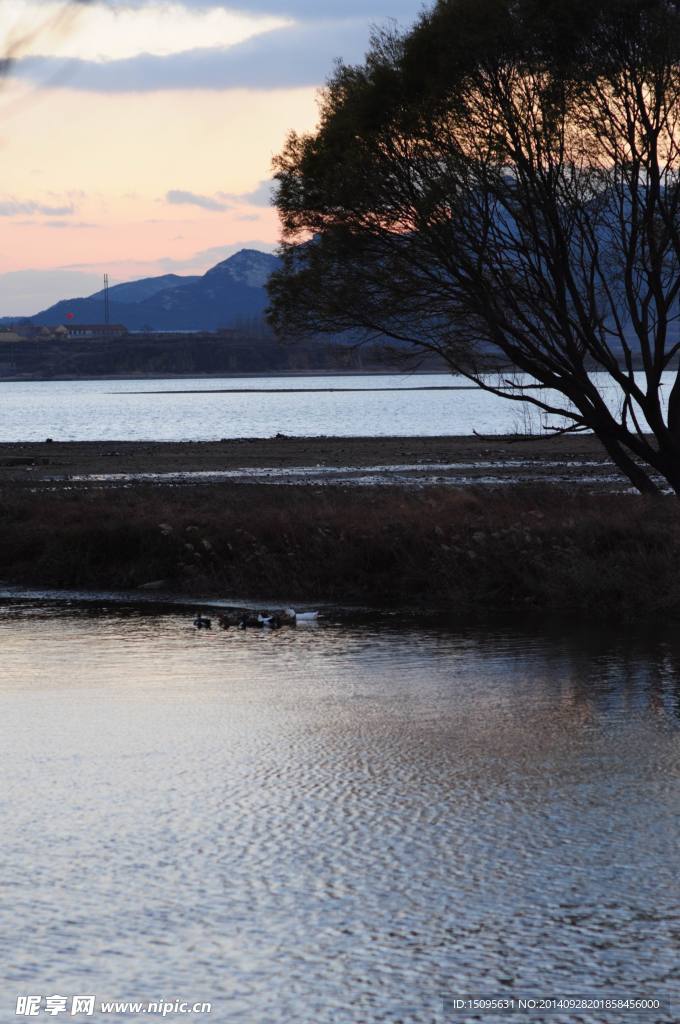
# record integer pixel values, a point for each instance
(462, 460)
(473, 552)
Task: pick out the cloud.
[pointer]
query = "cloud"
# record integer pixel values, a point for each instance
(129, 270)
(70, 224)
(298, 56)
(107, 31)
(207, 258)
(178, 197)
(309, 9)
(26, 207)
(25, 292)
(261, 195)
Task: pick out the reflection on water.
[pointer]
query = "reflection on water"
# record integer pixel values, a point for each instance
(338, 825)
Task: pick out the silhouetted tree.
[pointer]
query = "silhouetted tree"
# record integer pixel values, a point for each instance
(501, 185)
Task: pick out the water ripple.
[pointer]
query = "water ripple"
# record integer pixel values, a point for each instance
(339, 826)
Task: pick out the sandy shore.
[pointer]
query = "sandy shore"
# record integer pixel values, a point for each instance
(452, 460)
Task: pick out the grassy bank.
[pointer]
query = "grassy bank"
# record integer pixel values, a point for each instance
(475, 552)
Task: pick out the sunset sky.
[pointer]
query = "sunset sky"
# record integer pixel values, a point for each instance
(137, 138)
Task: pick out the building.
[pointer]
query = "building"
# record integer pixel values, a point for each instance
(100, 331)
(8, 334)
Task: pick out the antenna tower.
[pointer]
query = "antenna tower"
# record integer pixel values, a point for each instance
(107, 311)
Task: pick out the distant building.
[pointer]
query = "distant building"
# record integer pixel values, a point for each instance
(8, 334)
(95, 330)
(47, 333)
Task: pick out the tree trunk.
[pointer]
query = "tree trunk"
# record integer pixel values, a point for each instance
(671, 469)
(637, 476)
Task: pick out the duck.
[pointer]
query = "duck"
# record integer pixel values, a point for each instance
(202, 622)
(292, 616)
(251, 622)
(271, 621)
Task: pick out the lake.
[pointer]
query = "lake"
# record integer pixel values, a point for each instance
(209, 409)
(337, 824)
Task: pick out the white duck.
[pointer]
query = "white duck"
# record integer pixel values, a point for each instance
(301, 616)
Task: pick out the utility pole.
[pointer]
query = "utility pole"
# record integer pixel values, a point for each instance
(107, 311)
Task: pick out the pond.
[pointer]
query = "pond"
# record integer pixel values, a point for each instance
(347, 823)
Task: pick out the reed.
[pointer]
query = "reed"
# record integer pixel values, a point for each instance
(475, 552)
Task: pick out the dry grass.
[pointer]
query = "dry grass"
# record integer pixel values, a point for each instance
(477, 551)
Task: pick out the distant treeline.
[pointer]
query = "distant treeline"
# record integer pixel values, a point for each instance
(186, 354)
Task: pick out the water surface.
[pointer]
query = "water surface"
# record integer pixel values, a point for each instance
(207, 409)
(340, 824)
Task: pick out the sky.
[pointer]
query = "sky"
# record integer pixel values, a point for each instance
(137, 138)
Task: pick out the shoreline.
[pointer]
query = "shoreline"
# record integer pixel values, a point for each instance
(245, 375)
(401, 461)
(466, 552)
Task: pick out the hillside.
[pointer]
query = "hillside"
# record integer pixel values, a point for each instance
(229, 293)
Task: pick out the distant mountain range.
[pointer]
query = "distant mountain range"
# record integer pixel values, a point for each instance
(228, 294)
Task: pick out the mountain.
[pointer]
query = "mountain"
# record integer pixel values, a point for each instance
(230, 292)
(138, 291)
